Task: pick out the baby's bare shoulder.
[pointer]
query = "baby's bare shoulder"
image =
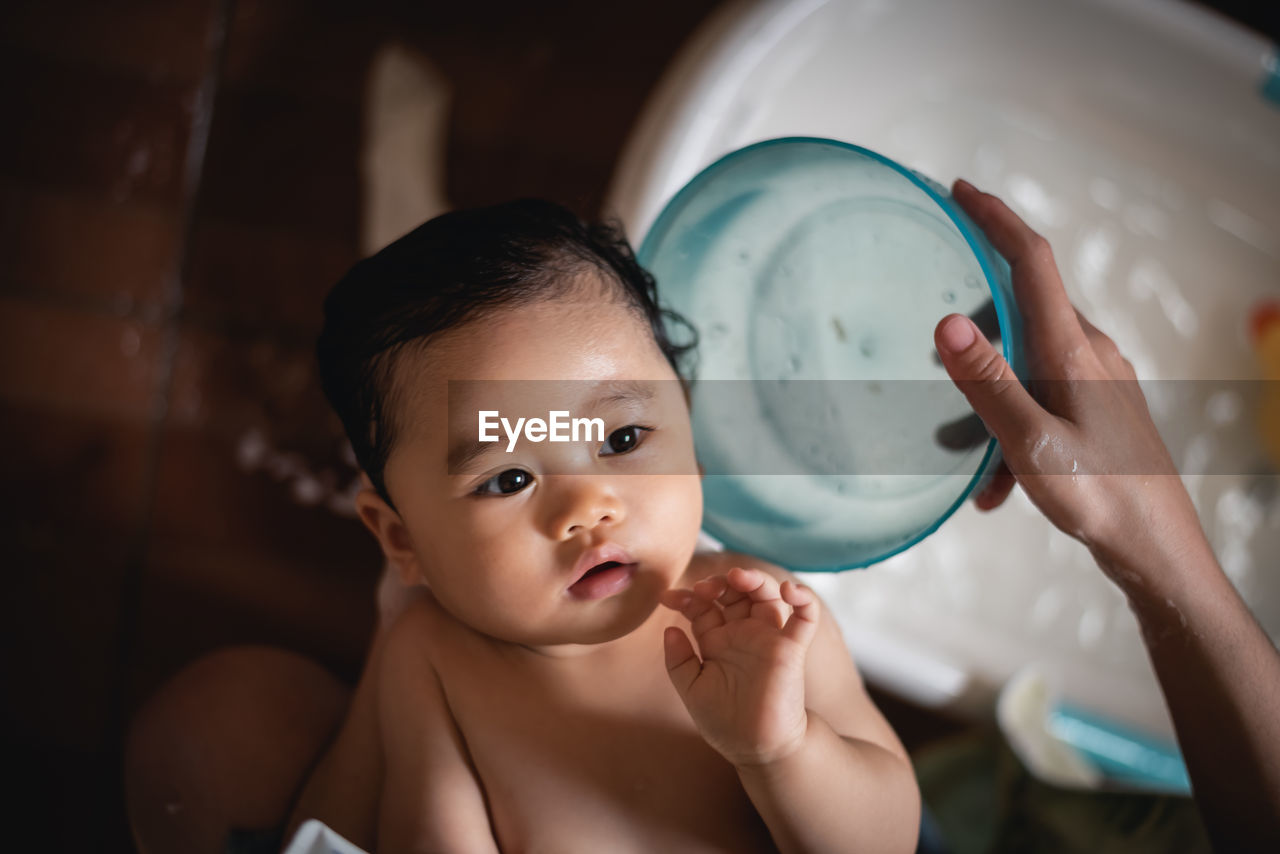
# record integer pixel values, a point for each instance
(430, 797)
(427, 641)
(422, 629)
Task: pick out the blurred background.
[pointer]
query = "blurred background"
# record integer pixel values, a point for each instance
(180, 186)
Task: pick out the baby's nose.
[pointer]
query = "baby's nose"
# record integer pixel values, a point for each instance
(583, 502)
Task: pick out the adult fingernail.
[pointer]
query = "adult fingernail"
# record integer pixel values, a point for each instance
(957, 333)
(964, 186)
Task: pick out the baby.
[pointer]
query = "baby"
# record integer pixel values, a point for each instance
(568, 674)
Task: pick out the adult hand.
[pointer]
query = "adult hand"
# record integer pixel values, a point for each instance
(1080, 440)
(1082, 445)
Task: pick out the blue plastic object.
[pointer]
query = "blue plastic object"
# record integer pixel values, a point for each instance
(1125, 755)
(815, 272)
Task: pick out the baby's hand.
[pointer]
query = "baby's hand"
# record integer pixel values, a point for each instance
(746, 693)
(1082, 444)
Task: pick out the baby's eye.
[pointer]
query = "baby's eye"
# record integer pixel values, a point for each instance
(508, 482)
(623, 439)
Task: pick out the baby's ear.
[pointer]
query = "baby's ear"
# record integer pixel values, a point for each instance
(385, 525)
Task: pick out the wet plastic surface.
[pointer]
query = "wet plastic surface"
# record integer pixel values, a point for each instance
(814, 270)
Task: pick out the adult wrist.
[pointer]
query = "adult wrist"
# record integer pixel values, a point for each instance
(1163, 568)
(1156, 548)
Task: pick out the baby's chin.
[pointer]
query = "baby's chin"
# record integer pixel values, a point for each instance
(587, 625)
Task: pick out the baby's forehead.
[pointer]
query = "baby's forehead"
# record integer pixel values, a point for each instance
(555, 351)
(566, 338)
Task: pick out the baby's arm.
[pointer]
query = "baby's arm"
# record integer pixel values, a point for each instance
(431, 800)
(776, 693)
(1107, 479)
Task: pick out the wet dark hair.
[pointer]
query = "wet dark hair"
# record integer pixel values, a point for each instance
(454, 269)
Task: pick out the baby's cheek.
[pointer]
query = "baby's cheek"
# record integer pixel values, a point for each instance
(679, 499)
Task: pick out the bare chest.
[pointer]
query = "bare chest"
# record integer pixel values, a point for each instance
(567, 766)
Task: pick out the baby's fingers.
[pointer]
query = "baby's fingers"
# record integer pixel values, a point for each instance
(803, 624)
(711, 587)
(760, 596)
(735, 603)
(702, 612)
(683, 664)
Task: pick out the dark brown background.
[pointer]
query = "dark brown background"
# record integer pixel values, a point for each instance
(179, 189)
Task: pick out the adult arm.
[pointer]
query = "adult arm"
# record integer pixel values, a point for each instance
(1083, 447)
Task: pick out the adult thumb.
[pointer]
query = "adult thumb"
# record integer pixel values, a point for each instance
(987, 381)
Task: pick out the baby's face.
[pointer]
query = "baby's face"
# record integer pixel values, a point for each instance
(503, 538)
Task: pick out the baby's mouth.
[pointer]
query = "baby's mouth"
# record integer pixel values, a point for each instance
(608, 564)
(602, 580)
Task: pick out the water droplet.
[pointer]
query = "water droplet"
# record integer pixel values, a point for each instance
(971, 281)
(948, 297)
(867, 347)
(744, 257)
(796, 364)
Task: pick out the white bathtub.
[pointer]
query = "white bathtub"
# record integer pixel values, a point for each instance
(1134, 135)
